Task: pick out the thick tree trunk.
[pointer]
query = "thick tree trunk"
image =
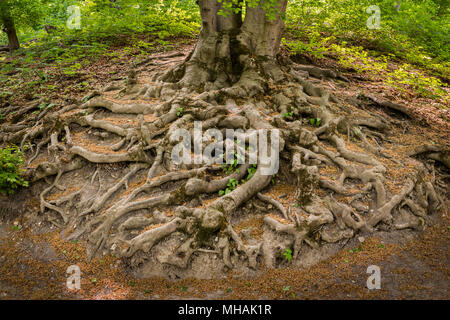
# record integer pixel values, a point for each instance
(230, 48)
(10, 30)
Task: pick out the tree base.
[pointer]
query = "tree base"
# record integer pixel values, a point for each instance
(160, 217)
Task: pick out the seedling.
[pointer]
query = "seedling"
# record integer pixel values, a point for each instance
(288, 254)
(315, 122)
(231, 185)
(289, 114)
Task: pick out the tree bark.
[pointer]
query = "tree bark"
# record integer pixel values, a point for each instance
(230, 47)
(10, 30)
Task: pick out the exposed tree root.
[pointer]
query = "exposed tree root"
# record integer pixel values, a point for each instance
(128, 217)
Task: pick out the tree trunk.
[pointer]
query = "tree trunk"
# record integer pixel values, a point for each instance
(10, 30)
(231, 49)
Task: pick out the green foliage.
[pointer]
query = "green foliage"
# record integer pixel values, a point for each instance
(26, 14)
(315, 122)
(232, 164)
(289, 114)
(315, 45)
(11, 160)
(231, 185)
(415, 31)
(251, 172)
(236, 6)
(358, 249)
(288, 255)
(405, 76)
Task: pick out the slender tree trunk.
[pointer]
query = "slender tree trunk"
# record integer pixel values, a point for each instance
(231, 48)
(10, 30)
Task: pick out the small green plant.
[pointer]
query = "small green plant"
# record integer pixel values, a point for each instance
(231, 185)
(289, 114)
(233, 164)
(72, 70)
(315, 122)
(251, 172)
(11, 159)
(355, 250)
(286, 288)
(288, 254)
(180, 112)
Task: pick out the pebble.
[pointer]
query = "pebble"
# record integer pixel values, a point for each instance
(361, 239)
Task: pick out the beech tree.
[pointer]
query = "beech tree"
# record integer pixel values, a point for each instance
(233, 46)
(18, 13)
(235, 78)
